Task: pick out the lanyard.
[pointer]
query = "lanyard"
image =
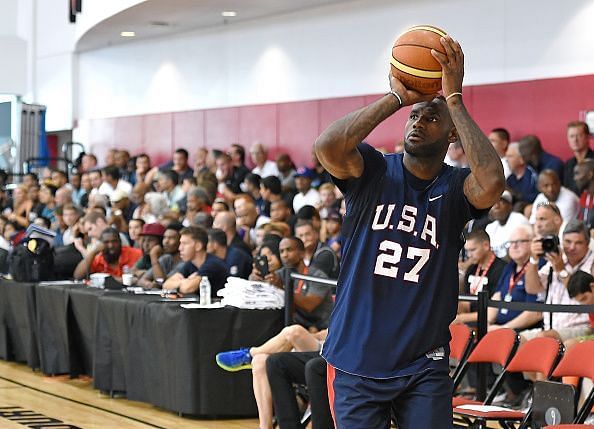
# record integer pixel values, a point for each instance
(514, 278)
(474, 287)
(301, 282)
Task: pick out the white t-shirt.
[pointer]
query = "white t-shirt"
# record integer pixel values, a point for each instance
(107, 189)
(268, 169)
(499, 234)
(568, 204)
(311, 198)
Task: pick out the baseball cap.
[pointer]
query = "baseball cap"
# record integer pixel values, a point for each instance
(154, 229)
(118, 195)
(305, 172)
(332, 214)
(507, 196)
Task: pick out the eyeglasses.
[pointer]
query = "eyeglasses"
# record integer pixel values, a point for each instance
(515, 242)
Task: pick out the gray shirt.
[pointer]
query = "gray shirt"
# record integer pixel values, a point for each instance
(167, 265)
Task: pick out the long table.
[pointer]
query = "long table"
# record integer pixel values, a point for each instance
(147, 348)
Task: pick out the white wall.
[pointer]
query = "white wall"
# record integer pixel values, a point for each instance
(333, 51)
(13, 51)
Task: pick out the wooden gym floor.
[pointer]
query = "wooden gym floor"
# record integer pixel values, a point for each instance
(29, 398)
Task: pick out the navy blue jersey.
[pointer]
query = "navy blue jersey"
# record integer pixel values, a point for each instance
(518, 294)
(398, 285)
(214, 268)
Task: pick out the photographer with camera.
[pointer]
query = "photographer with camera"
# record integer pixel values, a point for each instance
(550, 281)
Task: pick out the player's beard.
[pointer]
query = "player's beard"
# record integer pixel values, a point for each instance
(423, 150)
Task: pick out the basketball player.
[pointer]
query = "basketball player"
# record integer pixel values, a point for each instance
(398, 287)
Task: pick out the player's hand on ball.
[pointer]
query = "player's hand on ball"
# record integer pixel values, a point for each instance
(452, 65)
(409, 96)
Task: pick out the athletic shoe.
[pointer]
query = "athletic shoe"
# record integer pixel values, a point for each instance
(235, 360)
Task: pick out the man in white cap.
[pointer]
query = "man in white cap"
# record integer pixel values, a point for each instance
(504, 223)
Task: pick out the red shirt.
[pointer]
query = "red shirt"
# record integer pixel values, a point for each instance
(128, 256)
(592, 320)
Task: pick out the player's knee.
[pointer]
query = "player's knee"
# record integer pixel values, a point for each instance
(294, 332)
(259, 364)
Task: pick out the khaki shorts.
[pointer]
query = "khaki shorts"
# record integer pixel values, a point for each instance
(564, 333)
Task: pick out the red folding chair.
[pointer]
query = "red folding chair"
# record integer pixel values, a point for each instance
(495, 347)
(460, 345)
(578, 362)
(539, 355)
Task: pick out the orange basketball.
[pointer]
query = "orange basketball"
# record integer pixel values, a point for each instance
(412, 62)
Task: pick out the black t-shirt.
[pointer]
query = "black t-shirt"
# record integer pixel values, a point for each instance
(489, 280)
(214, 268)
(238, 262)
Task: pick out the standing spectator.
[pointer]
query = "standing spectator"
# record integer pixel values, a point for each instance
(505, 221)
(584, 180)
(578, 139)
(286, 173)
(499, 138)
(197, 263)
(180, 164)
(483, 274)
(306, 196)
(108, 256)
(237, 154)
(523, 177)
(551, 191)
(112, 181)
(532, 151)
(263, 166)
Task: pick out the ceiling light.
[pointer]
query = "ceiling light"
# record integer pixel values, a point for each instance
(229, 13)
(127, 34)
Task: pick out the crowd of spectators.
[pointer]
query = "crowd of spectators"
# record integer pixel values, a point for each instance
(172, 224)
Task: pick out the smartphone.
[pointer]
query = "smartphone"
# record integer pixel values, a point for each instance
(261, 262)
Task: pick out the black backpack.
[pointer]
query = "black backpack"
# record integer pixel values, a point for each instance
(35, 265)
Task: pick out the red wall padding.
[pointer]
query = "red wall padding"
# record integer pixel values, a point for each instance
(541, 107)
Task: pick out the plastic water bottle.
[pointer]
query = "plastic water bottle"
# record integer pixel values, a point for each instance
(204, 291)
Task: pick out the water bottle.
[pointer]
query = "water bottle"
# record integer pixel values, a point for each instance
(204, 291)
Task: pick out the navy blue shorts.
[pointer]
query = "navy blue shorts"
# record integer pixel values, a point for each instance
(419, 401)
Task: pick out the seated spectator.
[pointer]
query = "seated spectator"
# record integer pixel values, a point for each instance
(229, 178)
(316, 253)
(108, 256)
(280, 211)
(248, 219)
(309, 213)
(263, 166)
(134, 231)
(551, 191)
(511, 286)
(313, 301)
(573, 255)
(580, 287)
(271, 191)
(165, 259)
(33, 196)
(219, 205)
(286, 173)
(47, 194)
(504, 222)
(77, 188)
(483, 274)
(532, 151)
(251, 185)
(237, 154)
(200, 161)
(88, 162)
(321, 176)
(203, 219)
(94, 223)
(270, 250)
(150, 237)
(70, 215)
(291, 337)
(197, 201)
(523, 178)
(328, 200)
(123, 208)
(455, 156)
(180, 164)
(306, 195)
(143, 166)
(584, 180)
(197, 263)
(330, 233)
(156, 206)
(21, 206)
(284, 370)
(169, 188)
(59, 178)
(578, 139)
(238, 262)
(112, 182)
(226, 222)
(121, 160)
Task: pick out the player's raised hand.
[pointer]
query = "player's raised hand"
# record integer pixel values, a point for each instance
(452, 65)
(408, 96)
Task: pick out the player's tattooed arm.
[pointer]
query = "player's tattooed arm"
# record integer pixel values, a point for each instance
(486, 182)
(336, 148)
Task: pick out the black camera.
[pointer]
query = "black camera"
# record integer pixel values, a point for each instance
(550, 243)
(261, 263)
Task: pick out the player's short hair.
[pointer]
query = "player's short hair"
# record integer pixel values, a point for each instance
(579, 282)
(93, 217)
(478, 235)
(579, 124)
(297, 241)
(273, 184)
(196, 233)
(576, 226)
(217, 236)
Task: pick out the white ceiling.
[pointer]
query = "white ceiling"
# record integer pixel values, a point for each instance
(157, 18)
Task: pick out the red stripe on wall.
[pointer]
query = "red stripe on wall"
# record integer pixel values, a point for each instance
(541, 107)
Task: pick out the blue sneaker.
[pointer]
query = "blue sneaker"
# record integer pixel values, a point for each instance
(235, 360)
